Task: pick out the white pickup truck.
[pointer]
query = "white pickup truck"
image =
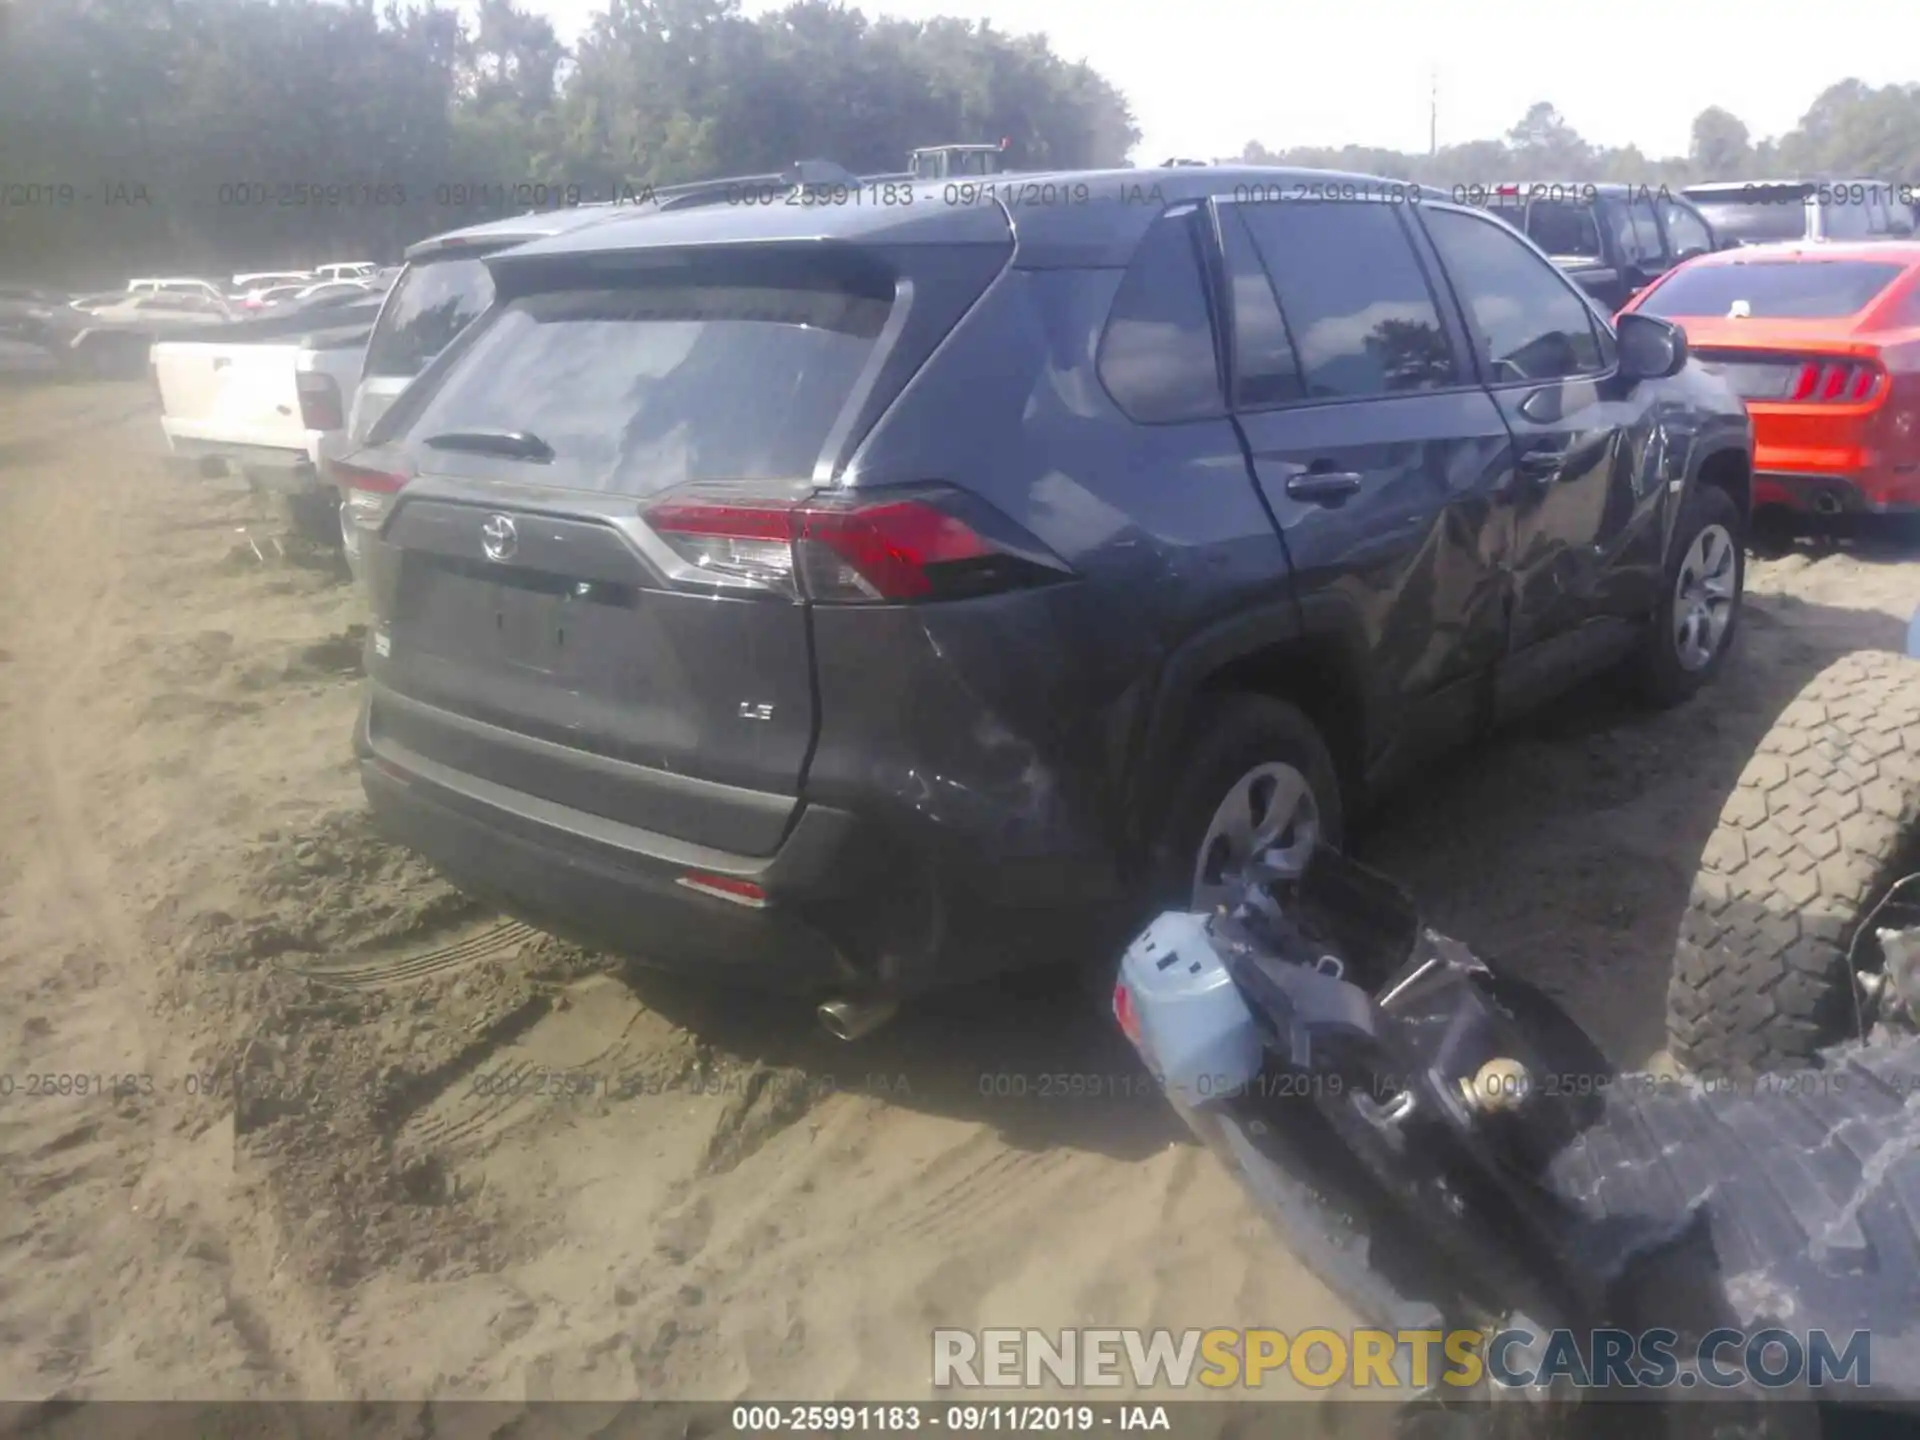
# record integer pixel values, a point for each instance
(268, 401)
(265, 402)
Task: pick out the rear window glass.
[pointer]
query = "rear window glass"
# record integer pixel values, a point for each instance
(1773, 290)
(1757, 216)
(642, 387)
(432, 303)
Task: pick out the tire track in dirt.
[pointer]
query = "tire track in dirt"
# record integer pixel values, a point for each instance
(69, 577)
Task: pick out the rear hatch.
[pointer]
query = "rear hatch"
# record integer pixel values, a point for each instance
(546, 626)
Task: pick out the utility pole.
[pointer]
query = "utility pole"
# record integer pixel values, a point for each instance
(1433, 114)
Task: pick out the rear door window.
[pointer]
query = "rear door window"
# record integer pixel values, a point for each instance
(1266, 368)
(1564, 228)
(1527, 318)
(1685, 230)
(1358, 308)
(638, 387)
(433, 301)
(1636, 231)
(1158, 358)
(1846, 220)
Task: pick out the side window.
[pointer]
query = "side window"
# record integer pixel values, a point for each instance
(1685, 230)
(1636, 230)
(1527, 319)
(1357, 304)
(1266, 369)
(1157, 358)
(1845, 221)
(1561, 228)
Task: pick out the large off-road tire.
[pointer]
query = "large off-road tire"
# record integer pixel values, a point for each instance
(1821, 823)
(1700, 597)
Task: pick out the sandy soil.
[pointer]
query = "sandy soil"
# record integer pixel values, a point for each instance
(290, 1118)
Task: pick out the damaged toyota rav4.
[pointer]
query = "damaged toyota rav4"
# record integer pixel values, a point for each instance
(859, 598)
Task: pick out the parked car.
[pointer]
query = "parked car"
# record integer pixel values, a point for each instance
(1612, 239)
(325, 291)
(115, 339)
(262, 296)
(260, 279)
(177, 285)
(344, 270)
(856, 599)
(1759, 212)
(1823, 342)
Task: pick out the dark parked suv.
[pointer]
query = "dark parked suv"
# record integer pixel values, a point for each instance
(1613, 240)
(856, 596)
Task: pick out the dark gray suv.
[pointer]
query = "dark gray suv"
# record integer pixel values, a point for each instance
(867, 591)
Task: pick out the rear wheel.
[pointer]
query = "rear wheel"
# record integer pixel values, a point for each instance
(1820, 825)
(1257, 781)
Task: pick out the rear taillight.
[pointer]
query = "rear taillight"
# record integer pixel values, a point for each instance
(320, 407)
(1127, 1015)
(366, 492)
(1845, 382)
(844, 552)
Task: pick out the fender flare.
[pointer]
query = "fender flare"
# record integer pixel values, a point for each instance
(1324, 622)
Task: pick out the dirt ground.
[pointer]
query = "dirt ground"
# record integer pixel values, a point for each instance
(281, 1115)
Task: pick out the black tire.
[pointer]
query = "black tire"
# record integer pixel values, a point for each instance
(313, 516)
(1658, 673)
(1232, 735)
(1820, 824)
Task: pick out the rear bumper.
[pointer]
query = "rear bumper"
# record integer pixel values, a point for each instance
(616, 888)
(1879, 492)
(280, 469)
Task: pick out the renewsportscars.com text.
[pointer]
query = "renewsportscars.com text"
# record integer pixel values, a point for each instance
(1387, 1359)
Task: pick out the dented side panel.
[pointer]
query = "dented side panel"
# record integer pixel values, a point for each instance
(1001, 730)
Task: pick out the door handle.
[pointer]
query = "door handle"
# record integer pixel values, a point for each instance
(1324, 487)
(1541, 465)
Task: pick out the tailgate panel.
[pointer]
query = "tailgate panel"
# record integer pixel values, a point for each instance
(567, 645)
(236, 394)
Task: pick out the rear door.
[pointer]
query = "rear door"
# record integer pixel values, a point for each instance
(539, 630)
(1586, 511)
(1639, 245)
(1570, 230)
(1379, 454)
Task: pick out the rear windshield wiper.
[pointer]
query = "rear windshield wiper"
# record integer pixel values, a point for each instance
(509, 444)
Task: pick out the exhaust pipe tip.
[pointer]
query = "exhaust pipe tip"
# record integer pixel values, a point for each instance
(1827, 503)
(851, 1019)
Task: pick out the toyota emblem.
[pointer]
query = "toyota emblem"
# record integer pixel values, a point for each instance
(498, 537)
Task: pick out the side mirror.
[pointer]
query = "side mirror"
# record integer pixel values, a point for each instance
(1650, 348)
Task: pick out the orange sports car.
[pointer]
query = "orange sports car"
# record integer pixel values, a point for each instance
(1822, 340)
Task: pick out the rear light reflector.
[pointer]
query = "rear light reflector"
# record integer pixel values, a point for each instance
(366, 492)
(1836, 381)
(835, 551)
(1127, 1015)
(726, 887)
(320, 406)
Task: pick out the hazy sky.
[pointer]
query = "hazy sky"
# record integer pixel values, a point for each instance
(1206, 76)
